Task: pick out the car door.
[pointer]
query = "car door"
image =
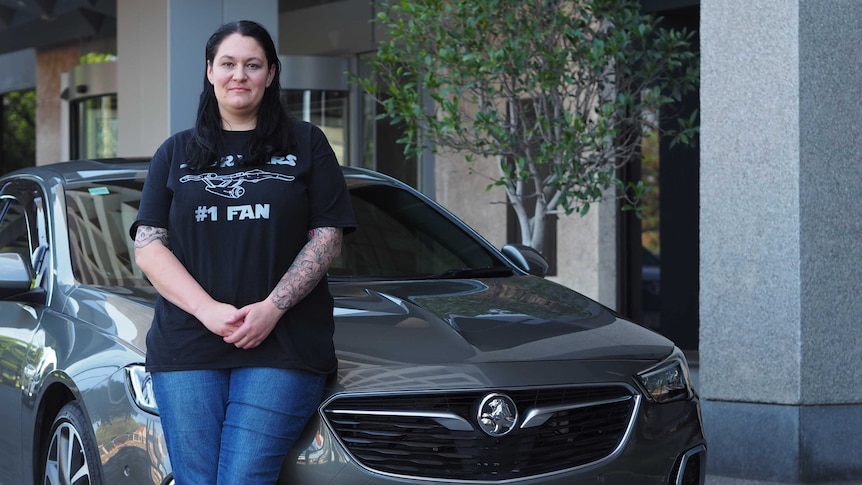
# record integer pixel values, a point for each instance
(23, 232)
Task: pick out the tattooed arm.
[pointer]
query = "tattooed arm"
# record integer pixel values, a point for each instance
(324, 245)
(312, 262)
(174, 283)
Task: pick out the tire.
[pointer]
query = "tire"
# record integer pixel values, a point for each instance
(71, 457)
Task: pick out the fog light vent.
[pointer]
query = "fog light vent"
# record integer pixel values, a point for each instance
(691, 469)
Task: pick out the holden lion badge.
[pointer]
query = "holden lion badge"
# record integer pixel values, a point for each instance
(497, 414)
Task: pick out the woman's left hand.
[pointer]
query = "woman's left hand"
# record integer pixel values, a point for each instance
(258, 320)
(312, 262)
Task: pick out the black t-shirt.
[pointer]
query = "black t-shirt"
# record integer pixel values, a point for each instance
(237, 229)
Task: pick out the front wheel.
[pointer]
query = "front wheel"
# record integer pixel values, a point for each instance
(72, 457)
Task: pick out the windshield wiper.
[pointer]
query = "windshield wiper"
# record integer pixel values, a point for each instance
(487, 272)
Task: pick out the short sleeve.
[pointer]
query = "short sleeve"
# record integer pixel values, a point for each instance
(156, 196)
(329, 199)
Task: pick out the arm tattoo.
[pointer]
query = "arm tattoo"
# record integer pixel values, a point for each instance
(312, 262)
(146, 235)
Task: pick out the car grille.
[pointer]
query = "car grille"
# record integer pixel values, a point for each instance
(437, 436)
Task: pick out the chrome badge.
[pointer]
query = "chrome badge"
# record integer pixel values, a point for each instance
(497, 414)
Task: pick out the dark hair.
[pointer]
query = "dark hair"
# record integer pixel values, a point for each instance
(271, 136)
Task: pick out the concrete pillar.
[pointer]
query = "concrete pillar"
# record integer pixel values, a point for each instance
(781, 221)
(161, 64)
(50, 65)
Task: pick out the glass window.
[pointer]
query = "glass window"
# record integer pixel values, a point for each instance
(95, 127)
(402, 236)
(23, 229)
(389, 154)
(327, 110)
(650, 230)
(14, 232)
(99, 217)
(378, 139)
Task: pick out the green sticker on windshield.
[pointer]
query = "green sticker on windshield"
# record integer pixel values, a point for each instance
(99, 191)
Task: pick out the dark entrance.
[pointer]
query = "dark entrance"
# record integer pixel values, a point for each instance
(660, 287)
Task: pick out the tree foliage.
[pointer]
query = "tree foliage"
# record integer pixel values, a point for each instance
(96, 58)
(17, 130)
(555, 91)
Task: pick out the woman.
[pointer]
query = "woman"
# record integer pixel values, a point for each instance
(239, 221)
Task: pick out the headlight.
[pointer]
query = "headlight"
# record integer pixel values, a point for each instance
(141, 388)
(668, 381)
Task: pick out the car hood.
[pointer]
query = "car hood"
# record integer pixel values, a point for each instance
(431, 322)
(512, 319)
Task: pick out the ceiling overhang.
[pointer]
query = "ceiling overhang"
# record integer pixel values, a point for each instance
(26, 24)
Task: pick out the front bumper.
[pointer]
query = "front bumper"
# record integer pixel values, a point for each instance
(666, 446)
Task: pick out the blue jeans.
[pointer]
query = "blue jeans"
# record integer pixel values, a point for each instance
(233, 426)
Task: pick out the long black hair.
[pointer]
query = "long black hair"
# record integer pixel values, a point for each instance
(271, 136)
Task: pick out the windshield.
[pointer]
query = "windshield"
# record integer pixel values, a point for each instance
(399, 236)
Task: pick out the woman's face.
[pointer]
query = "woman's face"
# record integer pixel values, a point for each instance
(239, 74)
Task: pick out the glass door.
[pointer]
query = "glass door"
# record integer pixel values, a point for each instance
(91, 124)
(326, 109)
(94, 127)
(315, 89)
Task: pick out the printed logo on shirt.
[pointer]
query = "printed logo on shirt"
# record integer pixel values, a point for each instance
(232, 160)
(205, 213)
(286, 160)
(230, 186)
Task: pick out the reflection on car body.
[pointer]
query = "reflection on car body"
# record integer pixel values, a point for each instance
(458, 362)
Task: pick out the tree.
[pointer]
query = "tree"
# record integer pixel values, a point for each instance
(557, 92)
(17, 130)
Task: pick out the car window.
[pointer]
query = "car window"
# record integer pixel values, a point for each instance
(401, 236)
(14, 233)
(99, 215)
(22, 222)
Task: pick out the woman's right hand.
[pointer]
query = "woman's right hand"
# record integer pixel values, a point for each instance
(174, 283)
(221, 319)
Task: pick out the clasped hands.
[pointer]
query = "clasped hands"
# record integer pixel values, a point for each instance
(245, 327)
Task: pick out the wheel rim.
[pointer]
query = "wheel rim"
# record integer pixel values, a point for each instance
(66, 463)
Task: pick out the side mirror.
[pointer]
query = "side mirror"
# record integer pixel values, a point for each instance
(16, 275)
(526, 258)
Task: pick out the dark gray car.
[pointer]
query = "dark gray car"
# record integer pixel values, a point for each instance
(458, 362)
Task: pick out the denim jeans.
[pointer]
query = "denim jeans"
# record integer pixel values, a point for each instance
(233, 426)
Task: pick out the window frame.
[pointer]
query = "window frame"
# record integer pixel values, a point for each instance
(31, 198)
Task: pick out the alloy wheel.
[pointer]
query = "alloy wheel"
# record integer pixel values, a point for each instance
(66, 462)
